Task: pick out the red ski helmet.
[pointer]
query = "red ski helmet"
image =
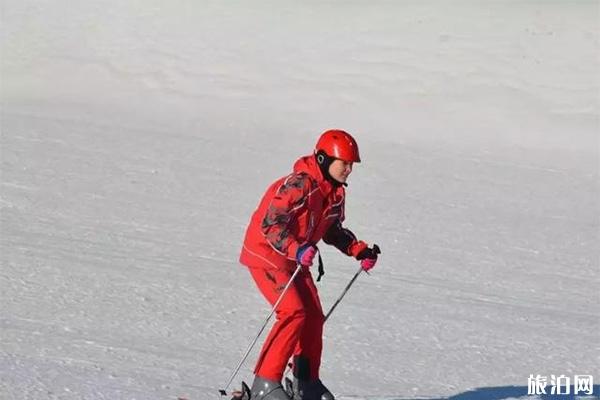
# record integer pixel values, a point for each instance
(338, 144)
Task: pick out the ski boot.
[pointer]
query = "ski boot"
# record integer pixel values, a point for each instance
(264, 389)
(309, 390)
(302, 387)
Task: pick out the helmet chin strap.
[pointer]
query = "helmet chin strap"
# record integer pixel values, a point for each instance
(324, 161)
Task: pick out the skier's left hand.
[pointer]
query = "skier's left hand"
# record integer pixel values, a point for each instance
(368, 257)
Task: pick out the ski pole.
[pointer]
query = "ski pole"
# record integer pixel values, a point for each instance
(343, 293)
(376, 250)
(223, 392)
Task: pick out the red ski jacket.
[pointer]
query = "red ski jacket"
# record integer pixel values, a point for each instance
(299, 208)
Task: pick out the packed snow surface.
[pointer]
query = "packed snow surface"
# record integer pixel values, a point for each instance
(138, 136)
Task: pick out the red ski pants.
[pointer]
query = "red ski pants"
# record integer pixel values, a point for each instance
(298, 329)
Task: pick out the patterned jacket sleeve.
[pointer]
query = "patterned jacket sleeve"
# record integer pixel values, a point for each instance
(343, 239)
(290, 197)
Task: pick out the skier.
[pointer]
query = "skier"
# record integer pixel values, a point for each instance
(295, 213)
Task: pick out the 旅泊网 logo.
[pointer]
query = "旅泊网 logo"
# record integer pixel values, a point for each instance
(560, 385)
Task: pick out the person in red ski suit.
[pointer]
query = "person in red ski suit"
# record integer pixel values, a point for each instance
(295, 213)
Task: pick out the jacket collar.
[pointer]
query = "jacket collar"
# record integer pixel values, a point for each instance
(308, 164)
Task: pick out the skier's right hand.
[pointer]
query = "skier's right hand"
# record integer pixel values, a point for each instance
(305, 254)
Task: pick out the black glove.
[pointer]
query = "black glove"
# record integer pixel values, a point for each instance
(369, 253)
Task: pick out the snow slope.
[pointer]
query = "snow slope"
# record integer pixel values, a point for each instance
(137, 138)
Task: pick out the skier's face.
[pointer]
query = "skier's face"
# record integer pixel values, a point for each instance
(340, 170)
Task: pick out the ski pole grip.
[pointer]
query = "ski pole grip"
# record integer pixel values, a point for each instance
(376, 249)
